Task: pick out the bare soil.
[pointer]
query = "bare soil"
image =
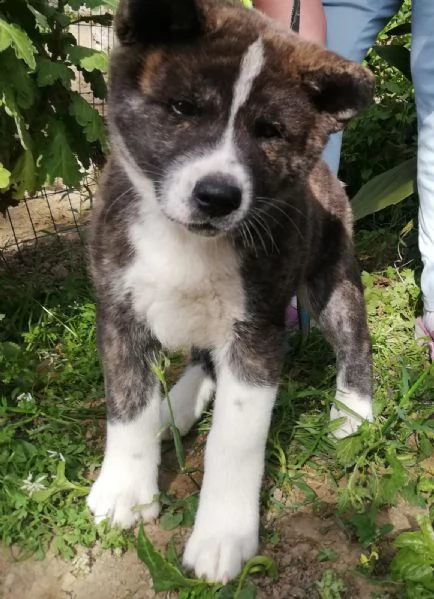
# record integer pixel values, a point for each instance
(55, 211)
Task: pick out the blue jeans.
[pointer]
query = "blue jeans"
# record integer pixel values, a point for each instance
(352, 27)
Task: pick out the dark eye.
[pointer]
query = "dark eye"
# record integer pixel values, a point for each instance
(268, 130)
(184, 108)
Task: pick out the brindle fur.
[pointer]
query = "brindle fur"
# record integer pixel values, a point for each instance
(192, 50)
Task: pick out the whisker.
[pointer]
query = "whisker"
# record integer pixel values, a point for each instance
(261, 239)
(262, 223)
(271, 205)
(276, 201)
(115, 201)
(253, 246)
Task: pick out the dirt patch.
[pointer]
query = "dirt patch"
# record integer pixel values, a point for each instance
(299, 537)
(53, 212)
(104, 575)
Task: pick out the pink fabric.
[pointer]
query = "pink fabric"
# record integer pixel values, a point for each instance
(426, 337)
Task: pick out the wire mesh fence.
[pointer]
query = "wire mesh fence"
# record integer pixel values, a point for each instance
(57, 211)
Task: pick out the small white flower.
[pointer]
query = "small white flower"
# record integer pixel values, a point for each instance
(55, 454)
(26, 397)
(32, 486)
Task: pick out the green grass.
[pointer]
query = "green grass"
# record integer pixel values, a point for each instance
(52, 427)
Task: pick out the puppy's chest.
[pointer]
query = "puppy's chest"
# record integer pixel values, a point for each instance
(188, 289)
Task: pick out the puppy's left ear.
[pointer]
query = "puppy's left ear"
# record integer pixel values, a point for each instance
(157, 21)
(339, 89)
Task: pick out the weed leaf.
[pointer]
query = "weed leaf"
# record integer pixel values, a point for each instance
(171, 520)
(165, 576)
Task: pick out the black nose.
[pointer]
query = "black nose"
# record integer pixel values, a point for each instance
(216, 195)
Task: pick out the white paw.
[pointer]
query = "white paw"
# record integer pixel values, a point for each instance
(188, 398)
(360, 411)
(123, 495)
(221, 556)
(223, 539)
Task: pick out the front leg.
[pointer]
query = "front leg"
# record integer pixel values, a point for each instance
(336, 299)
(127, 487)
(226, 530)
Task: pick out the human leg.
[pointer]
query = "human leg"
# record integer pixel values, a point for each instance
(352, 27)
(422, 65)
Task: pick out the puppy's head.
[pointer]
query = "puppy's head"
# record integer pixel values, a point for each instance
(218, 108)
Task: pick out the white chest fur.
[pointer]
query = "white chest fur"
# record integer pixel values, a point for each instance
(187, 287)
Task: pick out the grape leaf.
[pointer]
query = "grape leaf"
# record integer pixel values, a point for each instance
(58, 160)
(88, 59)
(88, 118)
(40, 19)
(14, 76)
(49, 71)
(7, 100)
(17, 38)
(4, 177)
(23, 176)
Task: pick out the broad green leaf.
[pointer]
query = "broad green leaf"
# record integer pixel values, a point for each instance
(7, 100)
(15, 79)
(189, 510)
(428, 535)
(248, 592)
(17, 38)
(4, 176)
(393, 480)
(58, 159)
(88, 118)
(411, 540)
(365, 528)
(171, 520)
(112, 4)
(386, 189)
(348, 449)
(24, 175)
(409, 565)
(63, 20)
(165, 576)
(88, 59)
(397, 56)
(40, 19)
(49, 71)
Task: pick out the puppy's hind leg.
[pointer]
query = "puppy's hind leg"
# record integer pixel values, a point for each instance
(190, 395)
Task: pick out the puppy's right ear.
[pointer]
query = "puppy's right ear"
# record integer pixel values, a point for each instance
(157, 21)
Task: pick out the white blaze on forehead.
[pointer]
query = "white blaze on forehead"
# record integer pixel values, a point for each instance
(251, 65)
(179, 183)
